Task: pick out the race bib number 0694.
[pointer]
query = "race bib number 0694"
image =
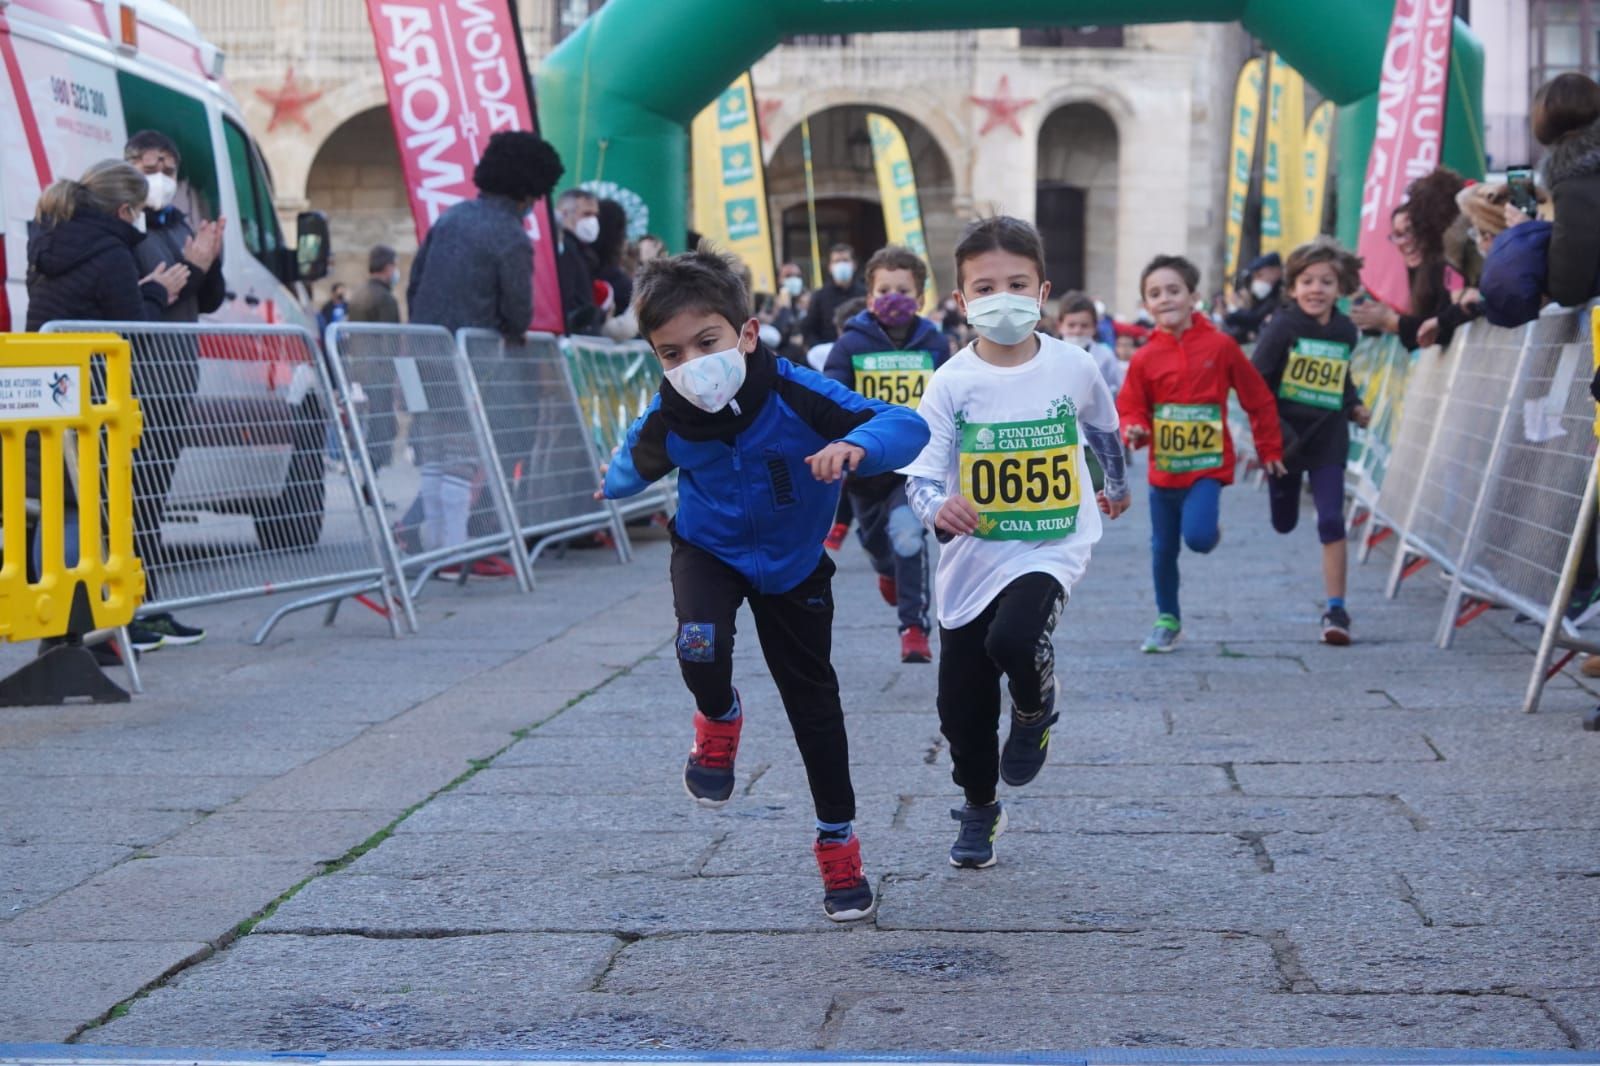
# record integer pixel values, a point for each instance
(1022, 477)
(1315, 374)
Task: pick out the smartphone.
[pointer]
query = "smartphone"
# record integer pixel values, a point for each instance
(1520, 181)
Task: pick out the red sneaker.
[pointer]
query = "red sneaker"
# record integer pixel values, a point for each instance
(835, 538)
(914, 646)
(708, 775)
(846, 893)
(493, 566)
(887, 590)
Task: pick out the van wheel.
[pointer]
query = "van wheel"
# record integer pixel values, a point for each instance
(294, 520)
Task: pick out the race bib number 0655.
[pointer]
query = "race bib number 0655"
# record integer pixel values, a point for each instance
(1022, 477)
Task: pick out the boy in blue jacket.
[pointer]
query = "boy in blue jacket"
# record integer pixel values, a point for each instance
(889, 352)
(760, 444)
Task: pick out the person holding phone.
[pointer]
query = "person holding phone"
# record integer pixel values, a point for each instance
(1566, 119)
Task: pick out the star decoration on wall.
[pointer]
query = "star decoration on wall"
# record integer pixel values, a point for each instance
(289, 103)
(1002, 108)
(766, 109)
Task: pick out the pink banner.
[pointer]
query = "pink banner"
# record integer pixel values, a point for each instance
(454, 77)
(1410, 129)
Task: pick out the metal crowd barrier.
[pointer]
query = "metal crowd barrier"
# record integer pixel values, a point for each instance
(615, 383)
(233, 497)
(69, 425)
(1493, 475)
(548, 456)
(1380, 366)
(442, 497)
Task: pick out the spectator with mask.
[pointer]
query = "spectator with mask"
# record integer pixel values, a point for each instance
(578, 216)
(82, 265)
(1252, 305)
(166, 392)
(335, 309)
(843, 286)
(475, 269)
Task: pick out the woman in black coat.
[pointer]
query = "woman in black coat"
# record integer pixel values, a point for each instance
(1566, 119)
(81, 266)
(80, 256)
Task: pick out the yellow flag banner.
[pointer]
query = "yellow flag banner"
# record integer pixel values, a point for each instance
(1246, 121)
(897, 188)
(730, 182)
(1280, 177)
(1314, 179)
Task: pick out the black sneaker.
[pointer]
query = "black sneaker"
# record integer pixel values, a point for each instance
(1026, 747)
(144, 639)
(974, 847)
(173, 632)
(1336, 627)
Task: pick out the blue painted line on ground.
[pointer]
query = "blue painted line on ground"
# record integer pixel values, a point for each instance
(64, 1054)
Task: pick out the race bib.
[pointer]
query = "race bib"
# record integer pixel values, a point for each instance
(1315, 374)
(1188, 437)
(1022, 477)
(899, 378)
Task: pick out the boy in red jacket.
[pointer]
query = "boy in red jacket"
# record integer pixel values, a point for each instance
(1175, 400)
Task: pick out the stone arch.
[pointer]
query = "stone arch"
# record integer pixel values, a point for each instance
(355, 178)
(847, 186)
(1077, 205)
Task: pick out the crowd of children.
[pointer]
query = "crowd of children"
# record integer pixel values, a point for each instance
(997, 450)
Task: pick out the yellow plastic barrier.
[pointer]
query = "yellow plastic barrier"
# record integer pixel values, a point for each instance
(48, 405)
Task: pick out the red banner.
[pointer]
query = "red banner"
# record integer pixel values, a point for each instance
(455, 76)
(1410, 130)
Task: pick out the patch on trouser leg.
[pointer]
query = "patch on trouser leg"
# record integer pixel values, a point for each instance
(697, 642)
(905, 532)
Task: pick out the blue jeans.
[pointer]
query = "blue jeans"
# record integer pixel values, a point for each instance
(898, 546)
(1179, 517)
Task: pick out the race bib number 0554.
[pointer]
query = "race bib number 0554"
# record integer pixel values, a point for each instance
(1188, 437)
(894, 377)
(1022, 477)
(1315, 374)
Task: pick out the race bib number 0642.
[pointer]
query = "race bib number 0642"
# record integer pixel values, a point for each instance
(1022, 477)
(1188, 437)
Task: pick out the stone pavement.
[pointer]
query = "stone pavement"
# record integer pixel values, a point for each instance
(478, 838)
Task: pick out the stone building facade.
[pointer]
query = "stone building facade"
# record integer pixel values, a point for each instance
(1113, 139)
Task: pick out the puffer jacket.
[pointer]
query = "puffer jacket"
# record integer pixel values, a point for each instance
(1572, 174)
(745, 493)
(84, 268)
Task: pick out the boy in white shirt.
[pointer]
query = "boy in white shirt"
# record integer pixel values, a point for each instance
(1001, 482)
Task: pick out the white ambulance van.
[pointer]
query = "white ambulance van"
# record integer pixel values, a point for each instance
(80, 76)
(77, 77)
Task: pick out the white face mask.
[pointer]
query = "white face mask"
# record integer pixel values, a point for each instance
(138, 219)
(709, 381)
(394, 278)
(1004, 317)
(842, 273)
(1081, 340)
(793, 285)
(587, 230)
(1261, 288)
(163, 190)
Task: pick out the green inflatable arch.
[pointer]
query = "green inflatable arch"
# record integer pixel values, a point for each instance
(617, 96)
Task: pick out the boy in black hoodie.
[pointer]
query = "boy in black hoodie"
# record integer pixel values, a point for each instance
(889, 352)
(1304, 355)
